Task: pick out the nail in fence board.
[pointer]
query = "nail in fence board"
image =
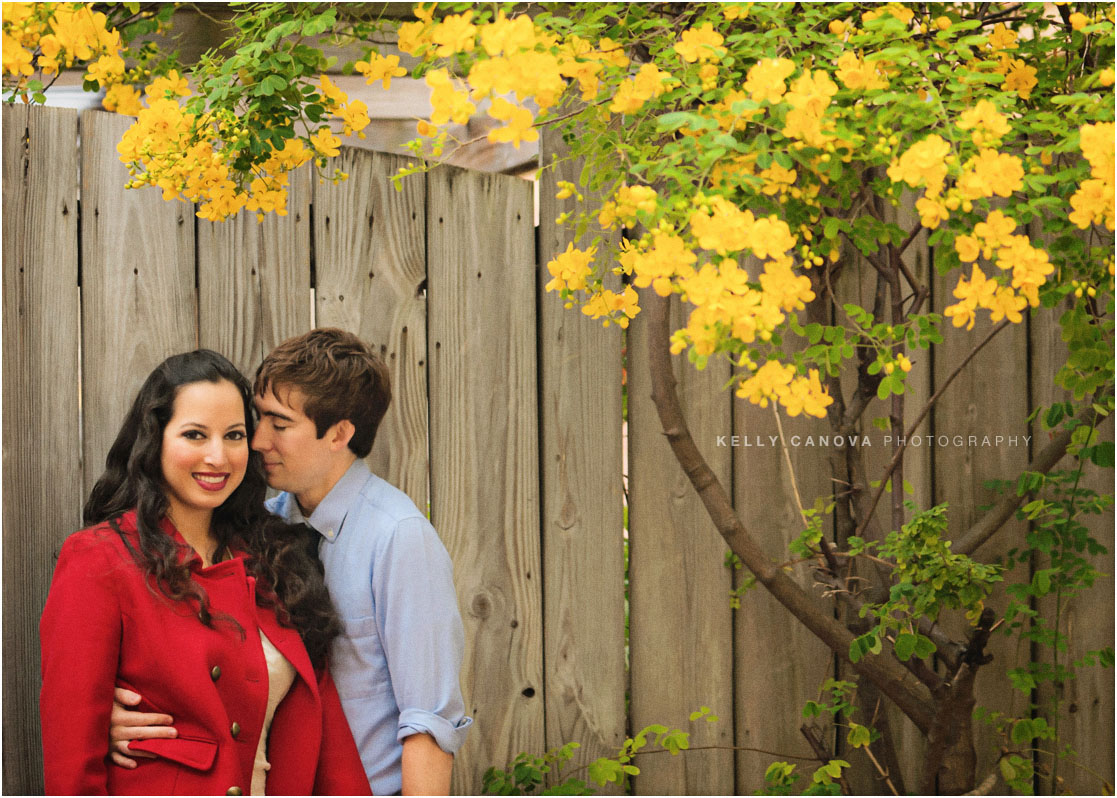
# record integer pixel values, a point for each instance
(484, 452)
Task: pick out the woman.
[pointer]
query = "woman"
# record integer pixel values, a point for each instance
(185, 590)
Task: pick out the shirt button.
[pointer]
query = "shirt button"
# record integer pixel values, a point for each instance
(235, 730)
(234, 791)
(215, 672)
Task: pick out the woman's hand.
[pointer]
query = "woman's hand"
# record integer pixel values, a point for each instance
(126, 725)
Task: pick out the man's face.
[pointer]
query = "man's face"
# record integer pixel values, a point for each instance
(295, 458)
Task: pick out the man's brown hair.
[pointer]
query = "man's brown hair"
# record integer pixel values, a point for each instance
(340, 377)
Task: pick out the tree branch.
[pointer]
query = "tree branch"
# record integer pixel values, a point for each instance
(912, 697)
(970, 540)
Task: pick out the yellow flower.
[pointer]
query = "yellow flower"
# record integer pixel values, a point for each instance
(1002, 38)
(785, 288)
(1006, 304)
(332, 96)
(806, 395)
(17, 58)
(380, 67)
(608, 304)
(413, 37)
(1092, 204)
(1078, 20)
(968, 248)
(504, 35)
(855, 74)
(649, 82)
(448, 103)
(995, 230)
(977, 292)
(355, 118)
(170, 84)
(454, 34)
(991, 173)
(123, 99)
(1096, 143)
(923, 163)
(519, 127)
(570, 269)
(1021, 78)
(988, 125)
(325, 142)
(106, 70)
(765, 79)
(931, 212)
(767, 383)
(701, 44)
(1105, 77)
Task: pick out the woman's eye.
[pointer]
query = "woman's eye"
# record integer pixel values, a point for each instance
(236, 435)
(193, 435)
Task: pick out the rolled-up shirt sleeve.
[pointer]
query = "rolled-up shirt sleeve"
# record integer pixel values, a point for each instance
(421, 632)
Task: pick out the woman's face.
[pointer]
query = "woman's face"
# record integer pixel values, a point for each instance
(205, 448)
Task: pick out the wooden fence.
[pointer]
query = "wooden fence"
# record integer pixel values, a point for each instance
(507, 423)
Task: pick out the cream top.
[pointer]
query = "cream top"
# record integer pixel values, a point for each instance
(281, 675)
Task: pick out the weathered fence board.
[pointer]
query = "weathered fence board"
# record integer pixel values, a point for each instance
(254, 278)
(978, 404)
(42, 441)
(1086, 702)
(138, 297)
(582, 495)
(484, 451)
(772, 687)
(371, 273)
(858, 283)
(681, 634)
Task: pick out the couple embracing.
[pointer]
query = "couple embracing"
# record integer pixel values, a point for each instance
(309, 647)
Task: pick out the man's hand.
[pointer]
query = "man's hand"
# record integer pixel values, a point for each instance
(426, 767)
(126, 724)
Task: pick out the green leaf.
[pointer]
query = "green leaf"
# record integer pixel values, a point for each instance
(1100, 455)
(905, 646)
(859, 736)
(1022, 731)
(924, 647)
(1008, 772)
(604, 770)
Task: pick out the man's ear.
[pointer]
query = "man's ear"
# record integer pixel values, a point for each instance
(340, 434)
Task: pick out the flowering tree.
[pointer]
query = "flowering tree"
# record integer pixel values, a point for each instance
(750, 152)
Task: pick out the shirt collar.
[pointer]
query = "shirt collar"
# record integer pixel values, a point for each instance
(329, 516)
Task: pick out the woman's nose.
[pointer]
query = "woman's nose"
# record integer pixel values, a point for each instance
(216, 453)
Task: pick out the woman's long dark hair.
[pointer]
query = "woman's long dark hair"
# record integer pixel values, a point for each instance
(288, 577)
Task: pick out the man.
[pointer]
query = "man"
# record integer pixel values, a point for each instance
(320, 398)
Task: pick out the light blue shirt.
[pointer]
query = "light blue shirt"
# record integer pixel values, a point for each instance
(396, 663)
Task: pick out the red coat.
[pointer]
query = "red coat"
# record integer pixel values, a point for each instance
(103, 626)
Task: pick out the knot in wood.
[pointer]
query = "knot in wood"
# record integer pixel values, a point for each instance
(481, 606)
